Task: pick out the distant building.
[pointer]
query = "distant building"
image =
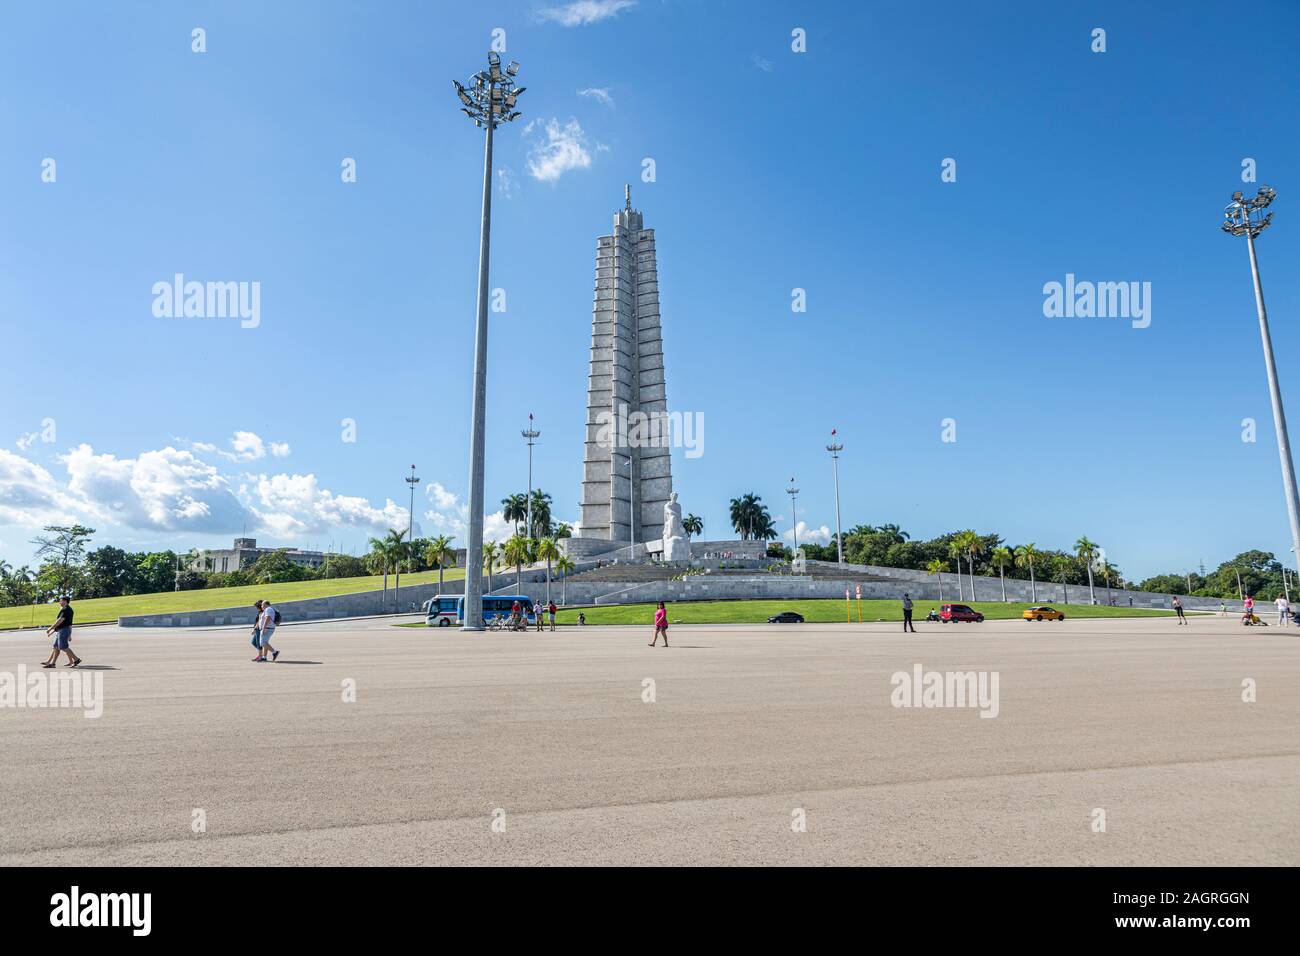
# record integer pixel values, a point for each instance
(246, 552)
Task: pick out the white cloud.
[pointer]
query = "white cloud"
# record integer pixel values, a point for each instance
(809, 535)
(450, 515)
(580, 13)
(506, 182)
(30, 496)
(556, 149)
(167, 489)
(279, 449)
(288, 505)
(598, 93)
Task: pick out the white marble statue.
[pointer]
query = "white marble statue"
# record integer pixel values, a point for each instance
(677, 546)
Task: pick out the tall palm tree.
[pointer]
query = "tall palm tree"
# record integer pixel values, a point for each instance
(936, 567)
(439, 553)
(5, 568)
(380, 560)
(744, 512)
(972, 545)
(1062, 565)
(564, 565)
(955, 548)
(491, 554)
(1087, 552)
(1002, 555)
(547, 550)
(693, 525)
(398, 549)
(518, 552)
(563, 530)
(1025, 555)
(515, 508)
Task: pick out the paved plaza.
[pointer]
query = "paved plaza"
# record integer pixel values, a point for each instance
(762, 745)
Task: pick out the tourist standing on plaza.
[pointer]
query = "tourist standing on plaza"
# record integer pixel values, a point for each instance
(907, 614)
(268, 621)
(661, 625)
(537, 613)
(1178, 609)
(550, 610)
(61, 629)
(1283, 611)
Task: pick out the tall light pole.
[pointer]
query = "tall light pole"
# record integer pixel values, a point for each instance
(489, 100)
(793, 492)
(410, 532)
(835, 448)
(530, 435)
(1245, 217)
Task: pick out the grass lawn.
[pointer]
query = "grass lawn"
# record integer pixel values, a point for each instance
(97, 610)
(819, 611)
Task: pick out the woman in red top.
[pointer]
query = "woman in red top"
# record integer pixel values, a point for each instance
(661, 625)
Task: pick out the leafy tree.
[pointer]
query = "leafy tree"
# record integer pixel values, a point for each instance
(110, 572)
(491, 555)
(937, 567)
(563, 530)
(65, 546)
(751, 519)
(693, 525)
(155, 571)
(515, 508)
(541, 515)
(518, 552)
(274, 567)
(342, 566)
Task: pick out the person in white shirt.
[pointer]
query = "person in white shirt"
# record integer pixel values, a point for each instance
(1283, 611)
(267, 621)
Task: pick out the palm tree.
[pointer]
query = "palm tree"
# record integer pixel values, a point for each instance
(562, 530)
(744, 514)
(1087, 552)
(693, 525)
(491, 554)
(1062, 565)
(547, 550)
(972, 545)
(541, 514)
(955, 548)
(5, 568)
(936, 567)
(1002, 555)
(398, 549)
(380, 559)
(440, 553)
(515, 508)
(564, 565)
(1025, 555)
(518, 552)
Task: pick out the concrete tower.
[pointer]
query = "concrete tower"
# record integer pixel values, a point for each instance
(626, 463)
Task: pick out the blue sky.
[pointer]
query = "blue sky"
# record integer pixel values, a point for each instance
(775, 170)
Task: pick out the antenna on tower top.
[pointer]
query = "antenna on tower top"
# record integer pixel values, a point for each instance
(627, 194)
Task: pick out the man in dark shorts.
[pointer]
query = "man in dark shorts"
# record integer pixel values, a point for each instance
(907, 615)
(61, 629)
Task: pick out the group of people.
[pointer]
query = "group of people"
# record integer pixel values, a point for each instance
(518, 620)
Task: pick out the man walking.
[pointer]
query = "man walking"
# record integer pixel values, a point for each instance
(907, 614)
(61, 629)
(268, 622)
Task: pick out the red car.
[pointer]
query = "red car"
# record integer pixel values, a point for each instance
(957, 613)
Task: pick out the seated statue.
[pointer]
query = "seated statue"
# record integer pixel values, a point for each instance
(677, 546)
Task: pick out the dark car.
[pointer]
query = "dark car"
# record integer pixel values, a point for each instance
(958, 613)
(786, 617)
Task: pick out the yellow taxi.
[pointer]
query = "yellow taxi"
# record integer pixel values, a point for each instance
(1043, 613)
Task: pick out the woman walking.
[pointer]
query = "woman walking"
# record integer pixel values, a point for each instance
(661, 625)
(1178, 607)
(257, 630)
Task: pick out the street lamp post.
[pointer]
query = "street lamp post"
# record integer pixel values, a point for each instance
(1245, 217)
(488, 100)
(410, 533)
(835, 448)
(530, 435)
(793, 492)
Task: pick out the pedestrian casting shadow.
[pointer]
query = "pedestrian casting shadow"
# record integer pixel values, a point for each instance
(296, 662)
(91, 667)
(691, 647)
